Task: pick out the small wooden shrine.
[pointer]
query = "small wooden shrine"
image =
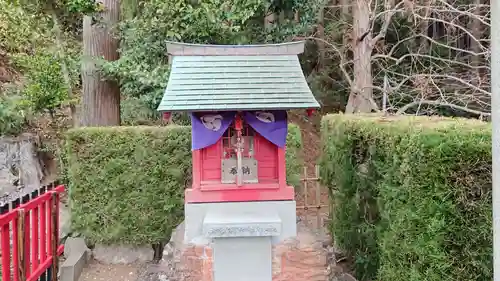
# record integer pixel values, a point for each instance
(239, 204)
(237, 97)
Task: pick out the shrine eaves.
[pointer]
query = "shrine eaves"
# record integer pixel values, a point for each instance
(242, 77)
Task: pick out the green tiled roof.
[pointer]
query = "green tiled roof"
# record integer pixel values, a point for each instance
(215, 78)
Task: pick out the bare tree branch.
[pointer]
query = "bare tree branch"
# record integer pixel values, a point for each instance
(405, 108)
(389, 13)
(451, 61)
(439, 58)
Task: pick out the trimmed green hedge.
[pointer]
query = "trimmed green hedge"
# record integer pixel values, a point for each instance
(127, 183)
(411, 196)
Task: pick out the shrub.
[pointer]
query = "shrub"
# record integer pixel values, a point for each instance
(45, 89)
(294, 161)
(127, 183)
(12, 115)
(411, 196)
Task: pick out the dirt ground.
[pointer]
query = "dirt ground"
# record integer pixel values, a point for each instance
(96, 271)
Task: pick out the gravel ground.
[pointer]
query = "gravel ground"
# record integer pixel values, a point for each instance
(156, 272)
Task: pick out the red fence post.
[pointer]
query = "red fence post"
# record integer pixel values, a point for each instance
(55, 233)
(43, 231)
(5, 237)
(15, 247)
(49, 227)
(34, 238)
(26, 246)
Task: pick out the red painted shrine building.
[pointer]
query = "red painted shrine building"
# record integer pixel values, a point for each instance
(237, 97)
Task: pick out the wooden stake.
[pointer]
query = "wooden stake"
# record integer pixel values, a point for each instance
(318, 198)
(306, 204)
(20, 246)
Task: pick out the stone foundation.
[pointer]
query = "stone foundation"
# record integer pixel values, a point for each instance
(195, 264)
(303, 258)
(300, 259)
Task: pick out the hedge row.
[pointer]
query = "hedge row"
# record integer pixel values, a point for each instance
(411, 196)
(127, 183)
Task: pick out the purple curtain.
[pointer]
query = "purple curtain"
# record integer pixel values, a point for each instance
(208, 128)
(272, 125)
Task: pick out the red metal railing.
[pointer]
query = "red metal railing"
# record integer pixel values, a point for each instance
(29, 238)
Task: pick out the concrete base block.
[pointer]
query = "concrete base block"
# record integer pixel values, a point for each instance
(77, 256)
(199, 220)
(72, 267)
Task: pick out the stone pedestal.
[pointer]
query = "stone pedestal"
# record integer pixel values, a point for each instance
(302, 258)
(242, 259)
(241, 242)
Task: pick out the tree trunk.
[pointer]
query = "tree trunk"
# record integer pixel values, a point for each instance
(361, 97)
(321, 36)
(423, 29)
(101, 98)
(344, 15)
